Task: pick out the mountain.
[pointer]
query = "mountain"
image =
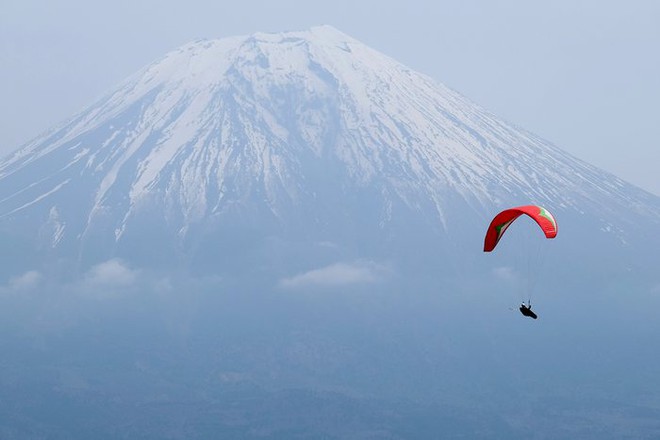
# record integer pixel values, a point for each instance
(307, 139)
(280, 236)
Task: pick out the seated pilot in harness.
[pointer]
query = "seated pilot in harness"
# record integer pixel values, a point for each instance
(527, 310)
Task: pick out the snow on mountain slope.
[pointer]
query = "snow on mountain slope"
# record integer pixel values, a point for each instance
(299, 134)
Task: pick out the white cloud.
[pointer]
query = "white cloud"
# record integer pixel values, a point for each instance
(110, 279)
(23, 284)
(338, 274)
(29, 280)
(111, 273)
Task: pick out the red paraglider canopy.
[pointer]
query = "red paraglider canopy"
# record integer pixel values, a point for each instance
(502, 221)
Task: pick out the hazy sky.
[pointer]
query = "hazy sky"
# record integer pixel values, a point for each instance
(584, 75)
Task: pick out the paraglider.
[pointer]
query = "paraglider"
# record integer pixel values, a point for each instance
(504, 219)
(498, 226)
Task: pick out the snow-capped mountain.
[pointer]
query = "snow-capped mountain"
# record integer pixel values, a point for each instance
(227, 149)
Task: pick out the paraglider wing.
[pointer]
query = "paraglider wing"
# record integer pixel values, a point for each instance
(504, 219)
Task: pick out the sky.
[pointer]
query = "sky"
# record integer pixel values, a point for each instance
(583, 74)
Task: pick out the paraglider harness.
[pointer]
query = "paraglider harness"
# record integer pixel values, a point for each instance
(526, 310)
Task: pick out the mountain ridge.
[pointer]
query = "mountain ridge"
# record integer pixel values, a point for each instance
(306, 135)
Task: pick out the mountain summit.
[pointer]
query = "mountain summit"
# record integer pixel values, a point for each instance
(228, 150)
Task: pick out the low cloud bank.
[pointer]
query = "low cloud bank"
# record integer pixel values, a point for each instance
(338, 274)
(27, 281)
